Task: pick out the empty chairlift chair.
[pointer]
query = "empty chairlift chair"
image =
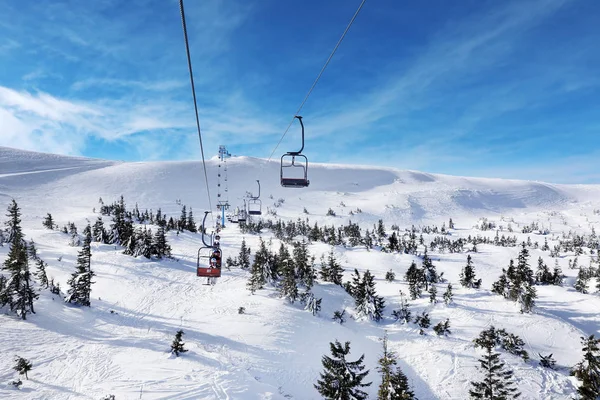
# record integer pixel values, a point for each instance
(254, 203)
(294, 166)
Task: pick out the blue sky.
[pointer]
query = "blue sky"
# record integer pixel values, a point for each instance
(473, 87)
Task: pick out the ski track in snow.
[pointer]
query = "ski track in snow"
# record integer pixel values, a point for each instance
(121, 344)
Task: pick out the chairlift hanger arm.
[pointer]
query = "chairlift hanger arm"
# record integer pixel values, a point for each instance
(203, 228)
(295, 153)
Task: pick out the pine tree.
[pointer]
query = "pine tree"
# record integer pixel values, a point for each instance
(588, 370)
(41, 272)
(288, 287)
(312, 304)
(22, 366)
(177, 345)
(305, 270)
(81, 280)
(442, 328)
(582, 281)
(498, 383)
(342, 379)
(353, 287)
(259, 271)
(431, 275)
(403, 314)
(423, 320)
(339, 316)
(331, 270)
(448, 295)
(48, 222)
(394, 384)
(160, 247)
(369, 304)
(547, 361)
(191, 224)
(467, 276)
(433, 294)
(413, 276)
(182, 223)
(98, 232)
(390, 276)
(557, 274)
(17, 290)
(543, 275)
(244, 257)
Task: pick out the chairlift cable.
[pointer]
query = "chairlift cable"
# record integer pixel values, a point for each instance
(318, 77)
(189, 59)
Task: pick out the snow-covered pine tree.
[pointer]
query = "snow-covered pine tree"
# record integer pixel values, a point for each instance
(413, 277)
(368, 303)
(178, 346)
(497, 383)
(313, 304)
(557, 274)
(588, 370)
(404, 313)
(467, 276)
(17, 290)
(22, 366)
(543, 275)
(244, 256)
(81, 280)
(305, 269)
(342, 379)
(582, 281)
(49, 222)
(442, 328)
(448, 295)
(547, 361)
(433, 294)
(99, 232)
(75, 240)
(288, 287)
(145, 246)
(394, 384)
(431, 275)
(339, 316)
(259, 272)
(332, 269)
(191, 224)
(182, 223)
(390, 276)
(423, 320)
(41, 272)
(160, 247)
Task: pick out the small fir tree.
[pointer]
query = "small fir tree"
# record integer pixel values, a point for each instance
(22, 366)
(81, 280)
(403, 314)
(498, 381)
(547, 361)
(390, 276)
(342, 379)
(467, 276)
(177, 346)
(339, 316)
(448, 295)
(48, 222)
(394, 384)
(368, 303)
(587, 371)
(433, 294)
(442, 328)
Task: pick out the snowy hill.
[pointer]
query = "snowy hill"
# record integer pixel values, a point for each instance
(120, 345)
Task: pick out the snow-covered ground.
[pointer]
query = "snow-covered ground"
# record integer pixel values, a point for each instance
(121, 344)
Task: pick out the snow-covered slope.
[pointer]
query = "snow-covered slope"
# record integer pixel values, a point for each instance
(120, 345)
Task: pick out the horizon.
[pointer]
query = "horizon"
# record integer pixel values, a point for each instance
(474, 89)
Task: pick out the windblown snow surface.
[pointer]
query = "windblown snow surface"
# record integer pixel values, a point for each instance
(121, 344)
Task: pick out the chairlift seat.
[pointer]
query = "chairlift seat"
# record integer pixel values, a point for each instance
(208, 272)
(294, 182)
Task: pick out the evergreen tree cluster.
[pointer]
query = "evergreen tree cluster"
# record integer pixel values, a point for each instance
(420, 279)
(516, 283)
(587, 371)
(500, 337)
(467, 276)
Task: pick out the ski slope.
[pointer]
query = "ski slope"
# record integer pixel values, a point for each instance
(121, 344)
